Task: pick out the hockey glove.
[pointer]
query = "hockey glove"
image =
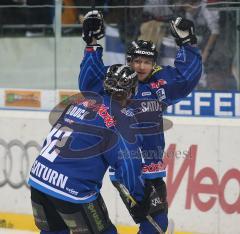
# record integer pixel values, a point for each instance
(154, 201)
(93, 26)
(183, 31)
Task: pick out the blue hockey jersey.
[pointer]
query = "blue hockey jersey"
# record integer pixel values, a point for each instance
(165, 86)
(80, 147)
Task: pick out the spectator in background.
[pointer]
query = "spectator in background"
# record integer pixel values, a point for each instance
(114, 40)
(207, 31)
(126, 20)
(122, 25)
(26, 18)
(87, 3)
(69, 15)
(216, 50)
(154, 26)
(12, 15)
(226, 45)
(40, 15)
(208, 25)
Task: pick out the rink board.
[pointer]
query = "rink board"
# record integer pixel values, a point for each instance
(202, 157)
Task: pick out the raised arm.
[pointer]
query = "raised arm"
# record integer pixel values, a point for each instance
(177, 82)
(92, 69)
(185, 75)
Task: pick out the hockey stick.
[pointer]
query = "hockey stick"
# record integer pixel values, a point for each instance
(123, 190)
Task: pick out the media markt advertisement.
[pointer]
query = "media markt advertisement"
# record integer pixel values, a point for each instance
(203, 174)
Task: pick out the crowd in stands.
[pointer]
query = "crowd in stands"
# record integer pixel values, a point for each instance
(26, 12)
(216, 29)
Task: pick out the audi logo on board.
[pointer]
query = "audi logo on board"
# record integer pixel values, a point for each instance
(16, 158)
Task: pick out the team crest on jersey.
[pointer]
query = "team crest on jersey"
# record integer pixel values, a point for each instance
(161, 94)
(181, 55)
(157, 84)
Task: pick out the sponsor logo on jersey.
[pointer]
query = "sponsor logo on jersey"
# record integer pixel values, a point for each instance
(161, 94)
(70, 121)
(151, 106)
(72, 191)
(154, 167)
(146, 94)
(108, 119)
(101, 110)
(128, 112)
(157, 84)
(143, 52)
(47, 174)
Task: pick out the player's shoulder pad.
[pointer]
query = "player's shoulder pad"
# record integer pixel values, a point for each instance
(156, 69)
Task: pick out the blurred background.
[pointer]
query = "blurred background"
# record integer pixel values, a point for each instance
(40, 52)
(31, 30)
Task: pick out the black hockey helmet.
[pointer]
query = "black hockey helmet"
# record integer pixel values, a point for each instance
(120, 81)
(141, 48)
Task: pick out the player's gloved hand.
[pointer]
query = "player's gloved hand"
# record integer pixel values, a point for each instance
(183, 31)
(154, 201)
(93, 26)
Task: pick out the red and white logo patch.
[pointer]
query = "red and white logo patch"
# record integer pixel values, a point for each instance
(154, 167)
(158, 84)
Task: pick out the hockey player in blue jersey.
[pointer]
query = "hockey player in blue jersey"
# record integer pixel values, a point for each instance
(166, 85)
(66, 177)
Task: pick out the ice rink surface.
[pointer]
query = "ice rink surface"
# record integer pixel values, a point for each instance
(12, 231)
